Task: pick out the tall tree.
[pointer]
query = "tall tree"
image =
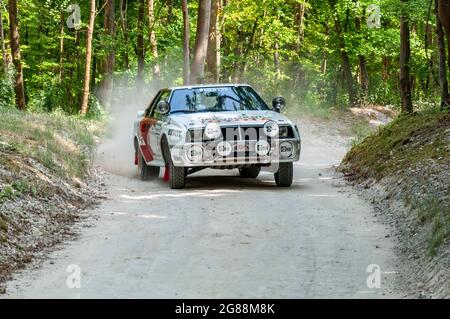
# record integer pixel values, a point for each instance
(169, 10)
(363, 74)
(346, 66)
(123, 8)
(405, 54)
(61, 47)
(2, 40)
(15, 53)
(442, 67)
(152, 38)
(140, 47)
(109, 25)
(444, 17)
(201, 41)
(186, 48)
(213, 52)
(87, 69)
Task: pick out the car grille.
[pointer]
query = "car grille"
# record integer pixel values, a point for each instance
(235, 133)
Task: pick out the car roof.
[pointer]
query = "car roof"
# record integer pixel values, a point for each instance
(198, 86)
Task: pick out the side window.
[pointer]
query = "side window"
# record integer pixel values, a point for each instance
(163, 96)
(152, 104)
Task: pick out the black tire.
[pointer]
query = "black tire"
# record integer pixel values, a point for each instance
(284, 175)
(145, 171)
(249, 171)
(177, 174)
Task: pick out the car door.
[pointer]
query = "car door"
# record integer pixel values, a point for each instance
(156, 121)
(144, 131)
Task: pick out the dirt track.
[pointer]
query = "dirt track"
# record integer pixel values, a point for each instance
(225, 237)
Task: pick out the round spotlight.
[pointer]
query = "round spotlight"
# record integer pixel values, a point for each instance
(271, 129)
(224, 148)
(213, 131)
(262, 147)
(194, 153)
(286, 149)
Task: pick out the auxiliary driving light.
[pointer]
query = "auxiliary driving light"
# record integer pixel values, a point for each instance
(262, 147)
(286, 149)
(224, 148)
(213, 131)
(271, 128)
(195, 153)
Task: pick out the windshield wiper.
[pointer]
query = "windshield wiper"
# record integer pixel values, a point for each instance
(183, 111)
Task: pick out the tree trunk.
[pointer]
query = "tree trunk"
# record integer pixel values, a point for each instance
(152, 38)
(87, 69)
(201, 41)
(123, 23)
(363, 74)
(15, 53)
(442, 67)
(5, 61)
(61, 48)
(299, 25)
(140, 48)
(106, 85)
(276, 57)
(186, 49)
(405, 53)
(444, 17)
(169, 4)
(346, 67)
(213, 52)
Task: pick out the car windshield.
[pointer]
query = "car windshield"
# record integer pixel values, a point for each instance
(216, 99)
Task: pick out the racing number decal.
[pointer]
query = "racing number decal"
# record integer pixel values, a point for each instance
(144, 137)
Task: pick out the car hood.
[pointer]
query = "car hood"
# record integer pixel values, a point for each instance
(229, 118)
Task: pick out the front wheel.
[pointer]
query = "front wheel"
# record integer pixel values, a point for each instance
(284, 175)
(177, 176)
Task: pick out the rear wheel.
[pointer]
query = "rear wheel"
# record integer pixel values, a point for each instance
(284, 175)
(249, 171)
(146, 172)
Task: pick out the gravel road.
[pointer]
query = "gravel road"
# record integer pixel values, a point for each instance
(225, 237)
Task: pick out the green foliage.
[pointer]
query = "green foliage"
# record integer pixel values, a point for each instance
(309, 71)
(7, 87)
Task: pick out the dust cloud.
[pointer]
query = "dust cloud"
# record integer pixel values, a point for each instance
(116, 150)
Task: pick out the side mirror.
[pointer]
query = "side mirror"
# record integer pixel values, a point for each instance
(162, 107)
(140, 114)
(278, 103)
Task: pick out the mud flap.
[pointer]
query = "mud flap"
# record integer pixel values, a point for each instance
(166, 173)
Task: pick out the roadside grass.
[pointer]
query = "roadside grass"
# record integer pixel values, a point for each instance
(360, 129)
(64, 144)
(399, 150)
(392, 148)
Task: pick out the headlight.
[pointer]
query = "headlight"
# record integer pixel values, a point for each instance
(271, 128)
(212, 131)
(224, 148)
(284, 131)
(262, 147)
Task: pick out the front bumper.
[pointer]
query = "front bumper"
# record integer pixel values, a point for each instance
(205, 154)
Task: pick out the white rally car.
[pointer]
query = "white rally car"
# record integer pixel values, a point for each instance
(226, 126)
